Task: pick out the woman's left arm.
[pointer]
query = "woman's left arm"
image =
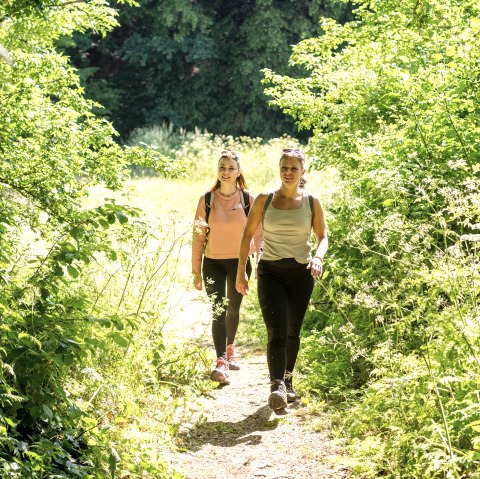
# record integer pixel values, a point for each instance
(319, 226)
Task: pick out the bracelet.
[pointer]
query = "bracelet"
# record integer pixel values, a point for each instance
(319, 257)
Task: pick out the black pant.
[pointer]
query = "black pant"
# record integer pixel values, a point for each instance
(219, 277)
(284, 290)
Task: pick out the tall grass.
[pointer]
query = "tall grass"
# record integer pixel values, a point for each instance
(259, 160)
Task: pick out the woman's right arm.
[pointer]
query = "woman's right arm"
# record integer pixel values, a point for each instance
(198, 240)
(253, 221)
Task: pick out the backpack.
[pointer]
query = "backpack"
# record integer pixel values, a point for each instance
(244, 198)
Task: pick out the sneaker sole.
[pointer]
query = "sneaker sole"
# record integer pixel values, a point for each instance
(219, 377)
(276, 401)
(233, 366)
(291, 398)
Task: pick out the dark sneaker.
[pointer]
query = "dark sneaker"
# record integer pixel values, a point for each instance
(291, 396)
(220, 373)
(232, 360)
(278, 396)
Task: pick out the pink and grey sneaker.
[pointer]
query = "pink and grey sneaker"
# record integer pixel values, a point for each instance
(220, 373)
(232, 360)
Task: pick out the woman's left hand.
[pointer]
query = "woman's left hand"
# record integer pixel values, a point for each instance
(316, 267)
(241, 283)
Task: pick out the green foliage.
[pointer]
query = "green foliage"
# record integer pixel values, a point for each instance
(196, 64)
(54, 149)
(392, 100)
(201, 150)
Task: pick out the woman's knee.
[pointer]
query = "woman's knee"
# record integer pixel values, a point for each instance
(276, 338)
(293, 339)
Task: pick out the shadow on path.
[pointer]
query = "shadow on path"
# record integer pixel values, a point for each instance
(229, 434)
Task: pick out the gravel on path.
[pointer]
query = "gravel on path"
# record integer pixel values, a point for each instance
(235, 435)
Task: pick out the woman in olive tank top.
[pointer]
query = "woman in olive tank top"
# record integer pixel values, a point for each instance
(287, 268)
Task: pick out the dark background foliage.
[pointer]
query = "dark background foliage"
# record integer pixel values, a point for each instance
(197, 64)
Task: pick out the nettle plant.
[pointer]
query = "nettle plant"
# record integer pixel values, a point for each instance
(53, 151)
(392, 100)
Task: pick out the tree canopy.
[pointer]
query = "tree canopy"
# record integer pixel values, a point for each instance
(197, 64)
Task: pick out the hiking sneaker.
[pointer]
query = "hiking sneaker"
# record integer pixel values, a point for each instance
(291, 396)
(232, 360)
(278, 395)
(220, 373)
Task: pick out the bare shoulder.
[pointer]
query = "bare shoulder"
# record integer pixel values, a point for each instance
(314, 196)
(260, 201)
(263, 196)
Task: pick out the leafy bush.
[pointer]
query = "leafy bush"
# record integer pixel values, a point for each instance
(392, 102)
(64, 339)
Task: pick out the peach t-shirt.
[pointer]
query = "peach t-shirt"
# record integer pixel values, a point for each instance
(226, 221)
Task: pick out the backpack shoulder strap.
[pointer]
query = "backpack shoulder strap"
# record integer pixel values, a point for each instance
(267, 202)
(310, 204)
(209, 196)
(245, 199)
(265, 205)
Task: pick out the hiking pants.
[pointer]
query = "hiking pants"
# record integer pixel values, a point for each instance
(284, 290)
(219, 277)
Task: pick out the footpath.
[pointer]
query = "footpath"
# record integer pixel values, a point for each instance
(232, 434)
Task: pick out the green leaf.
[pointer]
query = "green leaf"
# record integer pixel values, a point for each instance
(73, 272)
(68, 247)
(9, 421)
(36, 412)
(122, 217)
(47, 413)
(113, 460)
(77, 232)
(119, 339)
(58, 270)
(112, 254)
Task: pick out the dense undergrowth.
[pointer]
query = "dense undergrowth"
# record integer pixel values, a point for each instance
(393, 335)
(92, 387)
(91, 384)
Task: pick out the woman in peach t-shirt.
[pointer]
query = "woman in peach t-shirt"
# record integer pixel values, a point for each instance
(215, 256)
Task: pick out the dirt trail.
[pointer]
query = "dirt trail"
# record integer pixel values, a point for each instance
(233, 434)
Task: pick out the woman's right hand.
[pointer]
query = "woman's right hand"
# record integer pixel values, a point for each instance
(197, 281)
(241, 284)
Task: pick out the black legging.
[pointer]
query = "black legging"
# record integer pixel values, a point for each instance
(219, 277)
(284, 290)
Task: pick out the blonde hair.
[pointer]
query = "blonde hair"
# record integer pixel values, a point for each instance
(298, 155)
(230, 154)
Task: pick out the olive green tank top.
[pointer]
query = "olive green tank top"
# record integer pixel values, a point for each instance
(286, 233)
